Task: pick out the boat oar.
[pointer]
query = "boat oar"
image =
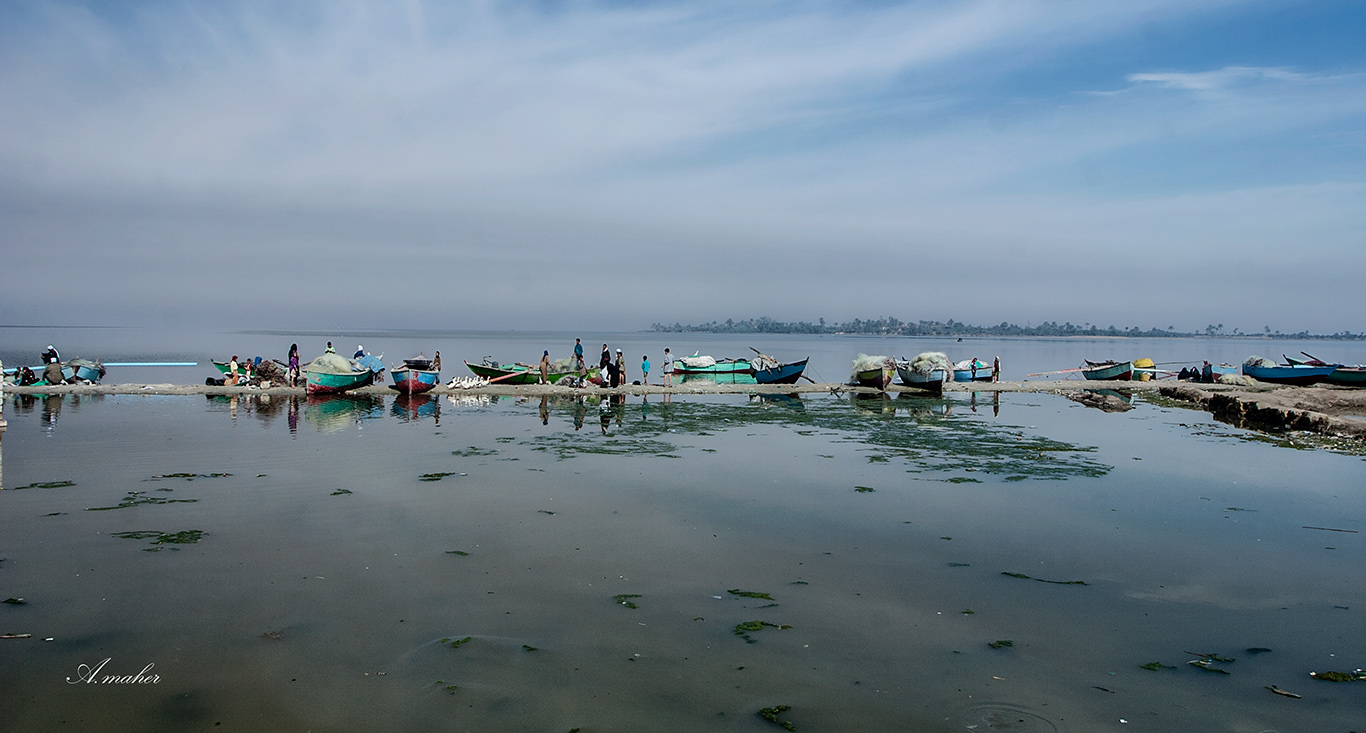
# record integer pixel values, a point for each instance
(1060, 371)
(151, 363)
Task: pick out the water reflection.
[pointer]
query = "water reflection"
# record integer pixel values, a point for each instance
(52, 406)
(413, 408)
(995, 402)
(331, 413)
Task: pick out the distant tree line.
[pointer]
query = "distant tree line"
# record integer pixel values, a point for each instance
(889, 326)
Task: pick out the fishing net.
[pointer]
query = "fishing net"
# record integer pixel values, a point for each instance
(698, 362)
(1241, 380)
(1259, 361)
(567, 364)
(864, 362)
(334, 364)
(928, 361)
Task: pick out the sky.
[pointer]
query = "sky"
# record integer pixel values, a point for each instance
(609, 165)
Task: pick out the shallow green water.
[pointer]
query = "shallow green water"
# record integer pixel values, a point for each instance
(846, 564)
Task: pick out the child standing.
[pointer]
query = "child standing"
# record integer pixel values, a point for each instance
(645, 369)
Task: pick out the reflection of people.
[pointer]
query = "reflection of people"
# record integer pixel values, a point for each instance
(545, 410)
(668, 369)
(545, 367)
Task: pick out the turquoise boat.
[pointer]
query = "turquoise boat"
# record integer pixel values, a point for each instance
(1108, 370)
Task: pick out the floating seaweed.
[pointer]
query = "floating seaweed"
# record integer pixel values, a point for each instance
(528, 648)
(624, 599)
(1355, 676)
(341, 492)
(749, 594)
(461, 553)
(864, 489)
(457, 643)
(746, 628)
(183, 537)
(1022, 576)
(14, 601)
(188, 476)
(771, 715)
(45, 485)
(1284, 693)
(1001, 643)
(435, 476)
(1155, 666)
(138, 498)
(474, 452)
(273, 636)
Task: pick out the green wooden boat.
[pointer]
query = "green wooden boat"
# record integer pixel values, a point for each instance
(520, 373)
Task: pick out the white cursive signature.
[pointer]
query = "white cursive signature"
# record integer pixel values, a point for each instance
(88, 675)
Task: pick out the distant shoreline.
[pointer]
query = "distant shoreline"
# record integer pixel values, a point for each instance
(953, 329)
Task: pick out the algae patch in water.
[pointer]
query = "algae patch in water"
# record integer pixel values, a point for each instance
(771, 715)
(457, 643)
(341, 492)
(624, 599)
(1022, 576)
(435, 476)
(1355, 676)
(864, 489)
(1001, 644)
(473, 451)
(183, 537)
(45, 485)
(188, 476)
(744, 629)
(1154, 666)
(461, 553)
(137, 498)
(749, 594)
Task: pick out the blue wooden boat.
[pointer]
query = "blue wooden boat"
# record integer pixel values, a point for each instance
(1211, 372)
(932, 380)
(972, 370)
(414, 377)
(1300, 375)
(1108, 370)
(1343, 375)
(782, 373)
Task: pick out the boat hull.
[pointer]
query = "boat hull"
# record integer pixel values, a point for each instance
(414, 381)
(877, 378)
(981, 374)
(1300, 375)
(520, 375)
(1212, 372)
(1110, 372)
(720, 367)
(1348, 376)
(323, 383)
(781, 374)
(932, 382)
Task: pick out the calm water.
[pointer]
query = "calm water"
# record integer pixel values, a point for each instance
(329, 571)
(830, 355)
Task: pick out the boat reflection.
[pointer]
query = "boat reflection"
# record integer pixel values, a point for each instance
(331, 413)
(412, 408)
(875, 403)
(789, 401)
(921, 404)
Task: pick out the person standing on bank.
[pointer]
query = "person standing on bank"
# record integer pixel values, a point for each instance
(293, 365)
(645, 369)
(605, 367)
(621, 369)
(578, 356)
(545, 367)
(668, 369)
(996, 369)
(51, 355)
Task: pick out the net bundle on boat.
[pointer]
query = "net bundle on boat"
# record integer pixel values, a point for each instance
(335, 364)
(763, 362)
(864, 362)
(565, 365)
(1259, 361)
(698, 362)
(967, 364)
(928, 361)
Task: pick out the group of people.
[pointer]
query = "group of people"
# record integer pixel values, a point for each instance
(612, 370)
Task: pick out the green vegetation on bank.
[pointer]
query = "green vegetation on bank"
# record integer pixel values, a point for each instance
(888, 326)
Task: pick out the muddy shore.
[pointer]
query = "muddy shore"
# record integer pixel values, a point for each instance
(1326, 410)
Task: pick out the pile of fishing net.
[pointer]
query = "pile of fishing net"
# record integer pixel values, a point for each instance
(1259, 361)
(698, 362)
(968, 364)
(335, 364)
(1241, 380)
(864, 362)
(78, 362)
(928, 361)
(564, 366)
(762, 362)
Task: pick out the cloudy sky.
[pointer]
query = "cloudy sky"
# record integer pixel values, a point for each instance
(607, 165)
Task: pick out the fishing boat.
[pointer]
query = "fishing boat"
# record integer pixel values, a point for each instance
(518, 373)
(696, 364)
(872, 371)
(1343, 375)
(972, 370)
(928, 371)
(333, 374)
(1108, 370)
(1301, 375)
(782, 373)
(1144, 370)
(1211, 372)
(90, 371)
(415, 376)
